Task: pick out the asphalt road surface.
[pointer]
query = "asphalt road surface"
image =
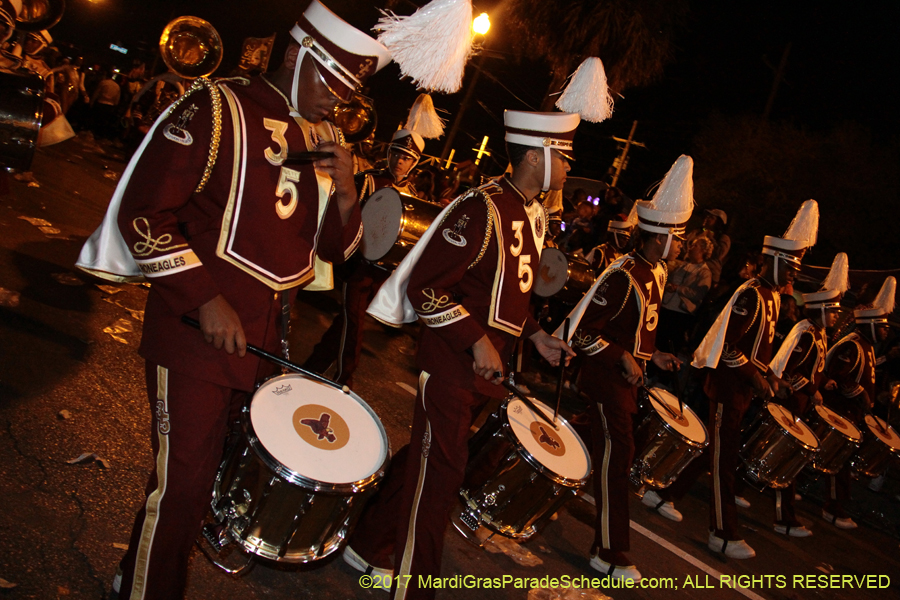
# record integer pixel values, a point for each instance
(71, 384)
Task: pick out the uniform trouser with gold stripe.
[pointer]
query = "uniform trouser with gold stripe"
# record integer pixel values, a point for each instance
(429, 485)
(724, 445)
(342, 342)
(613, 453)
(784, 498)
(190, 420)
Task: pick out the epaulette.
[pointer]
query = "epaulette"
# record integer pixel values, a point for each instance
(216, 102)
(484, 191)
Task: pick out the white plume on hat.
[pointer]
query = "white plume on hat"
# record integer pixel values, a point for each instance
(673, 202)
(805, 226)
(883, 304)
(838, 279)
(423, 118)
(629, 222)
(587, 93)
(432, 45)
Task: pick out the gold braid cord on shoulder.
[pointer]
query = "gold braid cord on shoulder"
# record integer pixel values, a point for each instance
(627, 292)
(216, 100)
(490, 220)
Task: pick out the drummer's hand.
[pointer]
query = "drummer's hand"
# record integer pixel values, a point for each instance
(817, 398)
(830, 385)
(761, 386)
(340, 168)
(550, 347)
(631, 371)
(221, 326)
(779, 386)
(487, 361)
(666, 361)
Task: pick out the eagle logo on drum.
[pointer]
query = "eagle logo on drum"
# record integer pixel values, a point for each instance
(546, 439)
(320, 427)
(454, 236)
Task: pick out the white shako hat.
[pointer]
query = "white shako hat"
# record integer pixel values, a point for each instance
(627, 225)
(836, 283)
(547, 130)
(346, 56)
(879, 310)
(801, 235)
(408, 142)
(671, 207)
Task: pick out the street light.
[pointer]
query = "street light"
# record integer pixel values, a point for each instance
(481, 24)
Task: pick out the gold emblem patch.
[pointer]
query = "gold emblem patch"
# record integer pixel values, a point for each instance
(321, 427)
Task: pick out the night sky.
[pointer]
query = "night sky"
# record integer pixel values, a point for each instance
(842, 66)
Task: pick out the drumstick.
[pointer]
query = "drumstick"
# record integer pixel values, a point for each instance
(665, 405)
(562, 370)
(528, 403)
(273, 358)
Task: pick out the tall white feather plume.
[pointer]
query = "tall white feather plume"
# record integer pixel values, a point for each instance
(676, 192)
(838, 279)
(632, 216)
(424, 120)
(432, 45)
(885, 298)
(805, 225)
(587, 93)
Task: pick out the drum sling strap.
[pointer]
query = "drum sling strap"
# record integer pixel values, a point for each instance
(285, 328)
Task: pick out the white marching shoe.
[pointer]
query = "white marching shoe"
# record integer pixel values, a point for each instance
(793, 530)
(730, 548)
(840, 523)
(382, 577)
(617, 571)
(741, 502)
(666, 509)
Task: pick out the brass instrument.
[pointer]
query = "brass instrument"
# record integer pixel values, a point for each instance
(191, 47)
(356, 118)
(40, 14)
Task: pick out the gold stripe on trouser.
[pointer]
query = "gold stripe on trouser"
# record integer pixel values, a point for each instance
(604, 481)
(151, 516)
(339, 370)
(778, 516)
(717, 487)
(406, 562)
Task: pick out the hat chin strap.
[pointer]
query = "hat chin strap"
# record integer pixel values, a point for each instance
(668, 247)
(546, 185)
(295, 82)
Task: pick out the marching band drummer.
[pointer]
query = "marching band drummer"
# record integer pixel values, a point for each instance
(342, 342)
(469, 280)
(851, 364)
(801, 362)
(737, 349)
(614, 325)
(230, 266)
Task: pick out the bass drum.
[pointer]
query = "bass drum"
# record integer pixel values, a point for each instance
(779, 449)
(838, 438)
(671, 435)
(562, 276)
(392, 224)
(21, 108)
(520, 472)
(293, 486)
(880, 447)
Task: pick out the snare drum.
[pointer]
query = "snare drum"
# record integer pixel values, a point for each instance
(672, 435)
(293, 486)
(539, 469)
(562, 276)
(779, 448)
(392, 224)
(838, 438)
(880, 446)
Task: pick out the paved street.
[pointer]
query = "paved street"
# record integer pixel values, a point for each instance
(71, 384)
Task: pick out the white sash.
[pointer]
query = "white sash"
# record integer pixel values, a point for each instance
(710, 349)
(787, 347)
(578, 312)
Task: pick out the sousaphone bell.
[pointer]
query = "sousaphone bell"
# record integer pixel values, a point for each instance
(191, 47)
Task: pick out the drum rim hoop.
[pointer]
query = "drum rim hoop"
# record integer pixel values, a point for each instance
(820, 419)
(669, 427)
(532, 460)
(291, 476)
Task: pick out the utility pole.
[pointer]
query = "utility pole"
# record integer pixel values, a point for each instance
(621, 161)
(466, 101)
(779, 75)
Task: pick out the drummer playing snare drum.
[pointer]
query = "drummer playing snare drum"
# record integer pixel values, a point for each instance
(801, 362)
(615, 326)
(851, 364)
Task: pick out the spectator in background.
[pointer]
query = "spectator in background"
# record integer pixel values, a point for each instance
(68, 83)
(579, 234)
(713, 228)
(686, 288)
(611, 205)
(105, 106)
